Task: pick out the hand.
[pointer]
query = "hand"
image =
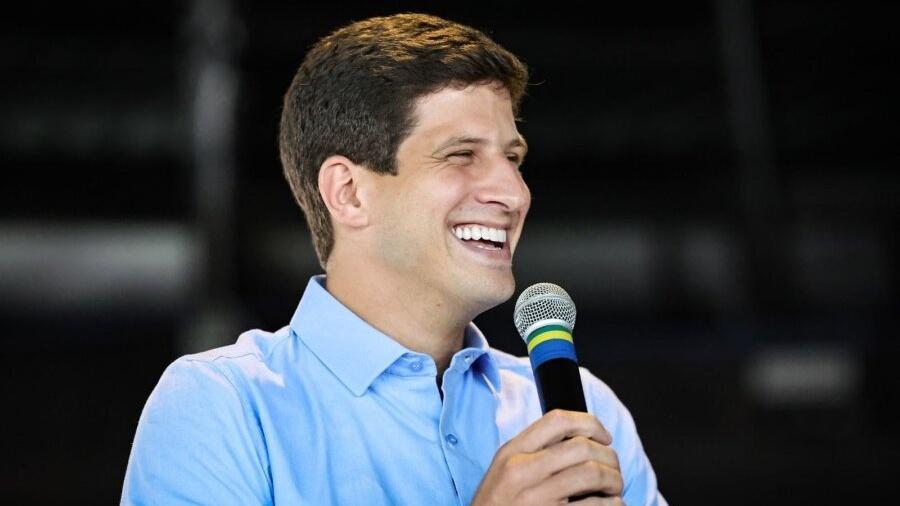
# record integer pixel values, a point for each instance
(562, 455)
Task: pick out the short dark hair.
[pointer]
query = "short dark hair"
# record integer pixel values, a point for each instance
(355, 93)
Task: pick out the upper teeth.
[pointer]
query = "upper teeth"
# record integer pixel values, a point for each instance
(477, 232)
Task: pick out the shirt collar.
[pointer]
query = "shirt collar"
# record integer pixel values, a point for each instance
(482, 358)
(358, 353)
(350, 348)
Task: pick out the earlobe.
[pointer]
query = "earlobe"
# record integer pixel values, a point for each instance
(339, 189)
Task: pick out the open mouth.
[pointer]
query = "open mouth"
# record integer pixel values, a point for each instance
(478, 236)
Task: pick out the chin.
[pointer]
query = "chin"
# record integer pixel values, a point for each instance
(487, 293)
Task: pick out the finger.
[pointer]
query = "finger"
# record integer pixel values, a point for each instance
(585, 478)
(558, 425)
(535, 468)
(599, 501)
(570, 452)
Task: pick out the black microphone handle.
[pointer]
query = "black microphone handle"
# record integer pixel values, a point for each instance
(559, 385)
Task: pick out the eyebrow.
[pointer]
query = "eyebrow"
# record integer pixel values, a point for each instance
(518, 142)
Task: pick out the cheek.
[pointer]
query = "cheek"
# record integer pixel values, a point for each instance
(430, 210)
(450, 190)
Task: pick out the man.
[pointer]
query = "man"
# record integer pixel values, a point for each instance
(398, 138)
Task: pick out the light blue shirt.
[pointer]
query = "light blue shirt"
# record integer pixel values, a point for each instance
(331, 411)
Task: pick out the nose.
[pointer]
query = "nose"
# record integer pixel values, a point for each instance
(502, 184)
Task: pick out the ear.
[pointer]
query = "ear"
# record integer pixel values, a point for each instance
(339, 188)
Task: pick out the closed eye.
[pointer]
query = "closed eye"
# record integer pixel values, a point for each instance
(467, 155)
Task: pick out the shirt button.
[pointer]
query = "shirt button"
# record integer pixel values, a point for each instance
(416, 366)
(451, 439)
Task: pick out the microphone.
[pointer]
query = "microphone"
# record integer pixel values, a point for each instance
(545, 317)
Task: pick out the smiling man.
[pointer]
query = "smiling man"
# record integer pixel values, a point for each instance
(420, 253)
(399, 141)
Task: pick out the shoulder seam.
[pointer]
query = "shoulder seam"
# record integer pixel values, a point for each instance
(217, 370)
(198, 357)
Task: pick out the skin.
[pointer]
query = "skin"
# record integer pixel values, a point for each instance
(563, 455)
(397, 264)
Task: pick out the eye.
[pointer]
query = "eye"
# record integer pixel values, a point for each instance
(461, 155)
(516, 158)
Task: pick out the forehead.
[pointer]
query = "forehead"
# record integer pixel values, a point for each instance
(479, 110)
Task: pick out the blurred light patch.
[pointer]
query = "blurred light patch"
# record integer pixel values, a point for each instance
(804, 377)
(616, 266)
(83, 130)
(95, 267)
(613, 264)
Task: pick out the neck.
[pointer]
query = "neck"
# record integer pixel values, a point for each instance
(411, 314)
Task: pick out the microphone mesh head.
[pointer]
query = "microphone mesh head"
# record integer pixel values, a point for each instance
(543, 301)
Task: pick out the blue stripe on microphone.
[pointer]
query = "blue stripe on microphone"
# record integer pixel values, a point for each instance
(549, 350)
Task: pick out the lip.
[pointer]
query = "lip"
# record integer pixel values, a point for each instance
(501, 256)
(505, 225)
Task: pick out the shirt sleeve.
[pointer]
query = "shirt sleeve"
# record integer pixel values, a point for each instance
(196, 443)
(637, 473)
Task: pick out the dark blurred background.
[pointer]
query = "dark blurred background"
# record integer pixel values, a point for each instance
(715, 184)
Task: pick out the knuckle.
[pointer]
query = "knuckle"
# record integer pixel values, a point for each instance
(589, 474)
(514, 471)
(581, 447)
(504, 451)
(617, 483)
(610, 455)
(557, 416)
(615, 460)
(596, 469)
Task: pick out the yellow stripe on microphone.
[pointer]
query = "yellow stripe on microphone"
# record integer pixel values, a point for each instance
(547, 336)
